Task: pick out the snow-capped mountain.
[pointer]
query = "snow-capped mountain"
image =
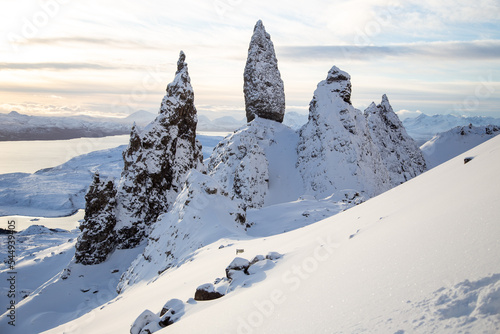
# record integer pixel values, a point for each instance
(417, 259)
(313, 225)
(424, 127)
(335, 149)
(444, 146)
(226, 123)
(399, 152)
(295, 120)
(15, 126)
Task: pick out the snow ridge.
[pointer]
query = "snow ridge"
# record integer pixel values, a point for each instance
(399, 151)
(263, 87)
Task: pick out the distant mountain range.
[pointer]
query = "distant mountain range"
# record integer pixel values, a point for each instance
(424, 127)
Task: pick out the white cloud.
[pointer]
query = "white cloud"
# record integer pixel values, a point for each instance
(403, 114)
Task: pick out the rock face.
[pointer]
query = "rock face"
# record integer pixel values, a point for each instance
(263, 87)
(240, 165)
(97, 239)
(157, 161)
(400, 153)
(335, 149)
(201, 214)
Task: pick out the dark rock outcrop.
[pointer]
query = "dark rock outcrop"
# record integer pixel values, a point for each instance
(157, 161)
(97, 239)
(263, 87)
(206, 292)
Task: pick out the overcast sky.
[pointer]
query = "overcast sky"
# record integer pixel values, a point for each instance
(107, 57)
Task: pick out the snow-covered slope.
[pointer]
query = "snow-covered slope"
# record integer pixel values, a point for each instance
(444, 146)
(420, 258)
(423, 127)
(60, 191)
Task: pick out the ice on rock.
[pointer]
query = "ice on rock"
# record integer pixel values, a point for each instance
(263, 87)
(400, 153)
(335, 150)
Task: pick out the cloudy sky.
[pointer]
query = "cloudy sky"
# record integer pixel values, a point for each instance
(107, 57)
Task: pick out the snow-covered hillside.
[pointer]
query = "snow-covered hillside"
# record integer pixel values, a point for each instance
(446, 145)
(420, 258)
(60, 190)
(423, 127)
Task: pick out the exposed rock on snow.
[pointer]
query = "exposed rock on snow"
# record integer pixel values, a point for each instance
(98, 238)
(145, 321)
(399, 151)
(157, 161)
(335, 149)
(201, 214)
(207, 292)
(444, 146)
(263, 87)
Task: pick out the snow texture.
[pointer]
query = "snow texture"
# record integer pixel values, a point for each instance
(201, 214)
(335, 150)
(400, 153)
(444, 146)
(157, 161)
(263, 87)
(257, 162)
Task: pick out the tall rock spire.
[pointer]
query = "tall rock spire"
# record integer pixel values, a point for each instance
(156, 164)
(335, 149)
(263, 87)
(158, 160)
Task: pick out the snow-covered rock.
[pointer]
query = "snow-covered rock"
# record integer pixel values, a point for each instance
(257, 162)
(157, 161)
(263, 87)
(424, 127)
(335, 150)
(98, 237)
(444, 146)
(201, 214)
(399, 151)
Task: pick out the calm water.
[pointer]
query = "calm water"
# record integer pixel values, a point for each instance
(30, 156)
